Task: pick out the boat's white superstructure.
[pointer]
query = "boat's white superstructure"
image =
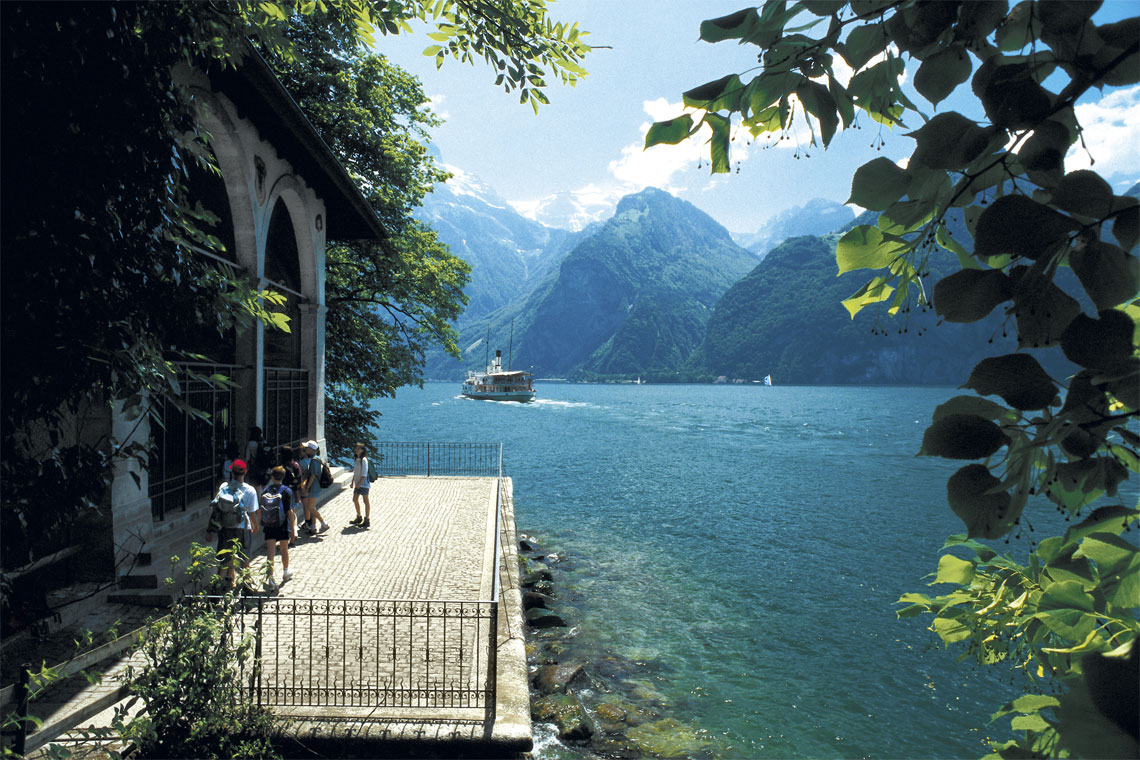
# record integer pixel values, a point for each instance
(498, 384)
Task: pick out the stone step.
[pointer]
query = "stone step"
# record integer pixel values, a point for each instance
(140, 581)
(142, 598)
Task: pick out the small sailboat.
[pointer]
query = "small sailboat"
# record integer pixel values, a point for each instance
(767, 379)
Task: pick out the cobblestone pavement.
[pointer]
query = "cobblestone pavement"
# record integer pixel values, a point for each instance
(427, 540)
(352, 627)
(347, 636)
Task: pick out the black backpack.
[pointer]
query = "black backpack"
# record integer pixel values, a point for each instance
(292, 475)
(326, 478)
(272, 503)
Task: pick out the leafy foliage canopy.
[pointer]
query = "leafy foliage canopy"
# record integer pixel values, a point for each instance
(1067, 617)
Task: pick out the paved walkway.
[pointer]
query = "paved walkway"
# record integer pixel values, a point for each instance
(356, 659)
(428, 540)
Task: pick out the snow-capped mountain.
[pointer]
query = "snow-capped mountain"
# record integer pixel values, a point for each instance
(508, 253)
(569, 209)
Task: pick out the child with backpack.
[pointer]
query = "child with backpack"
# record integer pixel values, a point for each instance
(314, 477)
(362, 478)
(293, 482)
(233, 517)
(275, 513)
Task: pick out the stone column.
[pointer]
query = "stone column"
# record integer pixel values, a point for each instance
(313, 359)
(132, 526)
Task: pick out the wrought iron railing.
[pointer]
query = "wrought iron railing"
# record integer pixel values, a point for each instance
(438, 459)
(286, 407)
(184, 463)
(371, 653)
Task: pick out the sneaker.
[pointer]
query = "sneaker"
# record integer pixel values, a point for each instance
(356, 520)
(324, 527)
(286, 575)
(364, 523)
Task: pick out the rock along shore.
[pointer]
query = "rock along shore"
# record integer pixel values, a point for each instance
(597, 703)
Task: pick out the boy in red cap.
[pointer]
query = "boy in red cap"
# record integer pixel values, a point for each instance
(233, 516)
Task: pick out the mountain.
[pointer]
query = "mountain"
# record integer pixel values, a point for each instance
(631, 298)
(508, 253)
(568, 210)
(816, 217)
(786, 319)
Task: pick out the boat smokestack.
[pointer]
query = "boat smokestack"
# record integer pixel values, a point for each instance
(499, 354)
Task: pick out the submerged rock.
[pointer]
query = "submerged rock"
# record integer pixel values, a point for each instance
(532, 599)
(552, 679)
(534, 577)
(668, 738)
(539, 618)
(566, 713)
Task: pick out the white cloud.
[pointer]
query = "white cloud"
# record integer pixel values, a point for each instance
(435, 103)
(1111, 134)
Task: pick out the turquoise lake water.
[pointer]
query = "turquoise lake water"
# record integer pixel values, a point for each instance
(746, 544)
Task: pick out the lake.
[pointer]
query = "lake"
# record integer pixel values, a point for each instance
(747, 544)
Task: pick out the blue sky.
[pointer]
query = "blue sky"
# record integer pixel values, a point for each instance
(588, 141)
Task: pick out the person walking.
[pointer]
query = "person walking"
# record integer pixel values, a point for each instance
(233, 517)
(311, 487)
(293, 481)
(360, 485)
(257, 457)
(277, 523)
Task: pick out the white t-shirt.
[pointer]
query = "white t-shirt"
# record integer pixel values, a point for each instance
(247, 498)
(360, 473)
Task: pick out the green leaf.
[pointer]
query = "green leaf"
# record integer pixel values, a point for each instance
(818, 102)
(1108, 274)
(878, 183)
(1017, 378)
(979, 407)
(722, 94)
(864, 43)
(718, 143)
(1029, 723)
(1042, 309)
(1045, 150)
(948, 141)
(951, 630)
(971, 294)
(962, 436)
(1012, 94)
(943, 237)
(1126, 227)
(1066, 595)
(1030, 703)
(865, 247)
(1109, 552)
(875, 291)
(669, 132)
(951, 569)
(1110, 519)
(1020, 226)
(1084, 192)
(986, 514)
(1099, 343)
(940, 74)
(734, 26)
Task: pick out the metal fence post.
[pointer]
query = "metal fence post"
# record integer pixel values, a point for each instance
(255, 678)
(19, 732)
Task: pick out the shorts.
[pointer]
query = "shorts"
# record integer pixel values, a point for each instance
(227, 535)
(276, 532)
(358, 491)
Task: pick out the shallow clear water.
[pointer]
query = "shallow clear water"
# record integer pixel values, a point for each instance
(746, 544)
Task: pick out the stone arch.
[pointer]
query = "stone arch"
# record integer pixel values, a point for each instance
(237, 173)
(297, 200)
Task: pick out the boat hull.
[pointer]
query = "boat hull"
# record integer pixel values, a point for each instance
(522, 396)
